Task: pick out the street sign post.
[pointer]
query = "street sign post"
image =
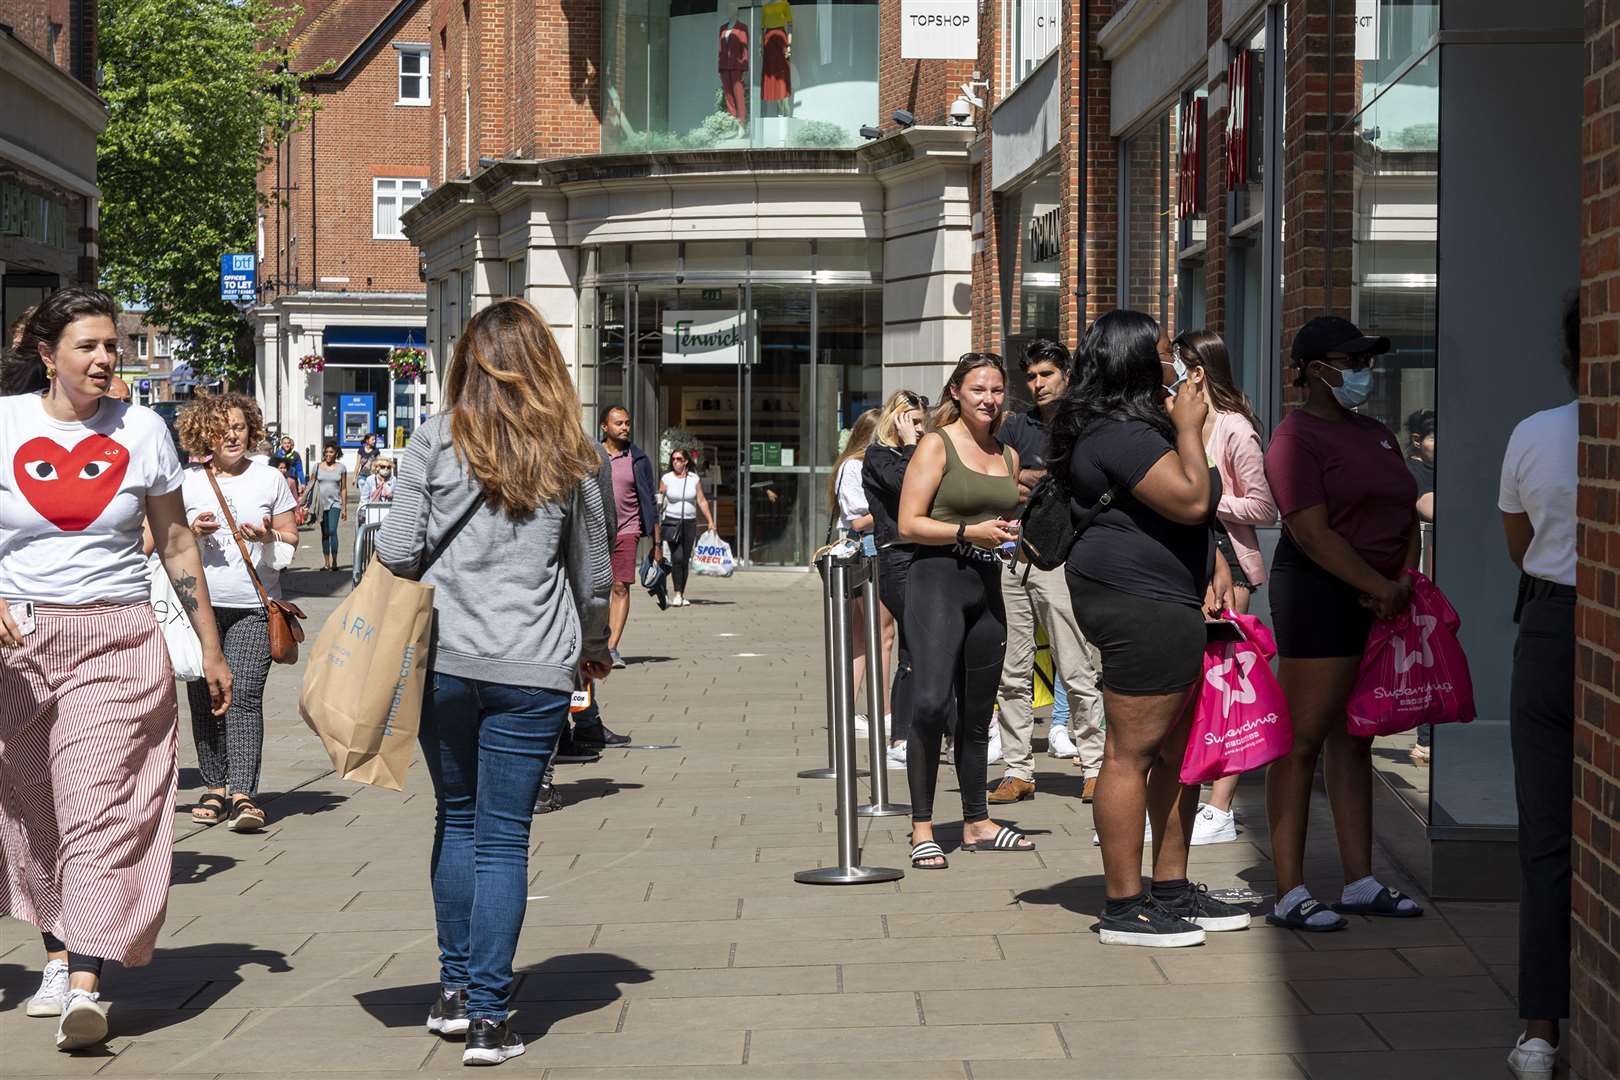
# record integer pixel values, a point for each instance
(238, 278)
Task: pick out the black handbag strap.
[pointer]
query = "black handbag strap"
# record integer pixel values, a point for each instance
(455, 530)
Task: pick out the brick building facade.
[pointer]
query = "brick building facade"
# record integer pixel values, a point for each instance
(338, 278)
(48, 129)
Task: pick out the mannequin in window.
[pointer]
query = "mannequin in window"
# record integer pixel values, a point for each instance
(734, 65)
(776, 76)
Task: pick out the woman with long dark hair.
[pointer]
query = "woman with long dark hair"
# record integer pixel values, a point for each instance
(1141, 579)
(883, 474)
(499, 508)
(88, 713)
(1233, 442)
(681, 491)
(960, 492)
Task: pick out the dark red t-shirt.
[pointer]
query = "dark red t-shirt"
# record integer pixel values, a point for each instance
(1354, 467)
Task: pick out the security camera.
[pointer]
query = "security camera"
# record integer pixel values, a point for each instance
(961, 112)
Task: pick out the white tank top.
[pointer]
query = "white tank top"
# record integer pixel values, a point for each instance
(680, 497)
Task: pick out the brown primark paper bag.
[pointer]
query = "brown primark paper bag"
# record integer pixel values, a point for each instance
(362, 690)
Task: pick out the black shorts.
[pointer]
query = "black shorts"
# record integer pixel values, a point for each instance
(1316, 616)
(1240, 577)
(1147, 646)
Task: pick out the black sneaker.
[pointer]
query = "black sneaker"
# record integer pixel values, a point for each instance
(1198, 907)
(1148, 924)
(571, 753)
(597, 736)
(449, 1013)
(548, 799)
(490, 1042)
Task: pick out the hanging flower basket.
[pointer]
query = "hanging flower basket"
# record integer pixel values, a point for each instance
(312, 363)
(407, 364)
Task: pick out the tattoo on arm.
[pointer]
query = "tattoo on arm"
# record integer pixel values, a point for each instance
(185, 587)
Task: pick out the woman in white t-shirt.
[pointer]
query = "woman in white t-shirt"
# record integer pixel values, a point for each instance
(87, 702)
(681, 492)
(848, 508)
(1537, 500)
(220, 428)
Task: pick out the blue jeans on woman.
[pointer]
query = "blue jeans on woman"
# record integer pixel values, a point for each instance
(329, 530)
(486, 746)
(1060, 702)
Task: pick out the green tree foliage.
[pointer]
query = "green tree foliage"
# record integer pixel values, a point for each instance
(197, 93)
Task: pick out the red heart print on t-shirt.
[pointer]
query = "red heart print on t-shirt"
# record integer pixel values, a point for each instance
(70, 488)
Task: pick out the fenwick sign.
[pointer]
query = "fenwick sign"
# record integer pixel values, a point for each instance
(703, 337)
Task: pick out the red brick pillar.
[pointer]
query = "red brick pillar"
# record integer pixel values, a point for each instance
(1594, 1041)
(1088, 149)
(1215, 190)
(1316, 246)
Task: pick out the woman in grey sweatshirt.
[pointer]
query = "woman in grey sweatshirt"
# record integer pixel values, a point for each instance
(497, 506)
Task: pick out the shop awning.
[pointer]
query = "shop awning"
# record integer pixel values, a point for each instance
(374, 337)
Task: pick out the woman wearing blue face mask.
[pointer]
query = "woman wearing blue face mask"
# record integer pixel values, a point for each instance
(1350, 535)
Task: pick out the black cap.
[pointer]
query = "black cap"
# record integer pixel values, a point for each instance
(1331, 334)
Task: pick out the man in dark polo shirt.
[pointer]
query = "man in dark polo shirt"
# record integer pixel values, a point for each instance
(1043, 598)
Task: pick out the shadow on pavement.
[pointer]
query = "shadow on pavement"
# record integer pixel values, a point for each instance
(302, 584)
(593, 787)
(194, 867)
(18, 981)
(593, 980)
(301, 802)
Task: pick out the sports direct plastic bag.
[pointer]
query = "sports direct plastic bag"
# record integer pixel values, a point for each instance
(1242, 720)
(1414, 670)
(713, 556)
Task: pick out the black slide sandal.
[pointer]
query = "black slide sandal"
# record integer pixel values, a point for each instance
(928, 850)
(1298, 916)
(1387, 905)
(1005, 840)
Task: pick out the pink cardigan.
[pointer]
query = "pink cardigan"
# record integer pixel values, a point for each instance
(1246, 500)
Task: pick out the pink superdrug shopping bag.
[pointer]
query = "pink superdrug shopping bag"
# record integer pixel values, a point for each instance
(1242, 720)
(1414, 670)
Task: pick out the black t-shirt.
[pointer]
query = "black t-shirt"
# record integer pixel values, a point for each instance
(1130, 547)
(1025, 433)
(1423, 473)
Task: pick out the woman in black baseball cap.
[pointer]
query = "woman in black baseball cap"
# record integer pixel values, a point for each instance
(1350, 535)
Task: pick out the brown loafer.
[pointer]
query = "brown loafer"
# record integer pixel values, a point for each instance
(1012, 789)
(1088, 792)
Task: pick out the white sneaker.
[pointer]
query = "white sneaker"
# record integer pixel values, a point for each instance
(995, 743)
(84, 1021)
(1532, 1059)
(1147, 835)
(861, 724)
(897, 756)
(1213, 826)
(1060, 744)
(53, 988)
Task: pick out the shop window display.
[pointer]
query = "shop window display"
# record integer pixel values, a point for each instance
(722, 74)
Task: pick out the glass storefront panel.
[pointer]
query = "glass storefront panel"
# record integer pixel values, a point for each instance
(779, 425)
(717, 74)
(1148, 276)
(849, 379)
(1031, 258)
(1403, 30)
(1394, 272)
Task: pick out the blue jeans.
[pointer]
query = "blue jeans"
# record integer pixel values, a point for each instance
(1060, 702)
(329, 530)
(486, 746)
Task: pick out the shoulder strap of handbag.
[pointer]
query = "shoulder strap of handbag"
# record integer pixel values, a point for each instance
(455, 530)
(247, 559)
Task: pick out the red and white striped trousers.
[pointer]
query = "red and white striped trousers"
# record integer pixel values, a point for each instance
(88, 770)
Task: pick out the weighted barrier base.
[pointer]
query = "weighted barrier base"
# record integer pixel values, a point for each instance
(855, 875)
(883, 809)
(825, 774)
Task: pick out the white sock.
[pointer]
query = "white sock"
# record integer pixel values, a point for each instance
(1298, 895)
(1363, 892)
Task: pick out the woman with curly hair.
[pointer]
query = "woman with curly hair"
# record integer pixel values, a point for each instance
(218, 431)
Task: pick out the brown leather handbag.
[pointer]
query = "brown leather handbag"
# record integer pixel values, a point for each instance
(286, 631)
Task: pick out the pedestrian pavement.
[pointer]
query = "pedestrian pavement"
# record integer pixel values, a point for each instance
(666, 938)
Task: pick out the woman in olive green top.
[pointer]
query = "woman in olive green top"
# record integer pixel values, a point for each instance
(959, 496)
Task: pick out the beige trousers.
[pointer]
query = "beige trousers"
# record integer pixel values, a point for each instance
(1044, 600)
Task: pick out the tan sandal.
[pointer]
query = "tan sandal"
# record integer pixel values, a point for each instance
(246, 817)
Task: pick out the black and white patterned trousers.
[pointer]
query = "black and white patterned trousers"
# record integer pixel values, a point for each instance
(230, 747)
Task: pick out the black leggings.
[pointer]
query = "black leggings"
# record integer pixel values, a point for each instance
(958, 628)
(682, 538)
(77, 962)
(894, 567)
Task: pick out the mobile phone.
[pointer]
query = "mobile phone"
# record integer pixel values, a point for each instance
(23, 613)
(581, 699)
(1224, 630)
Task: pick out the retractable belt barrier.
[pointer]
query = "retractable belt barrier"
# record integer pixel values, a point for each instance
(365, 536)
(842, 576)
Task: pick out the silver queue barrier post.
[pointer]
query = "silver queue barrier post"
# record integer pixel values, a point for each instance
(836, 573)
(876, 718)
(830, 600)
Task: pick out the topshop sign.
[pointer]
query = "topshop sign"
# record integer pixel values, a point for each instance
(939, 29)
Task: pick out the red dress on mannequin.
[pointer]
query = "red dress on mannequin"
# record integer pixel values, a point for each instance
(776, 77)
(734, 69)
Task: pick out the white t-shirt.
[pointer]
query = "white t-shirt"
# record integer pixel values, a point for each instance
(1539, 478)
(851, 494)
(680, 497)
(256, 493)
(72, 500)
